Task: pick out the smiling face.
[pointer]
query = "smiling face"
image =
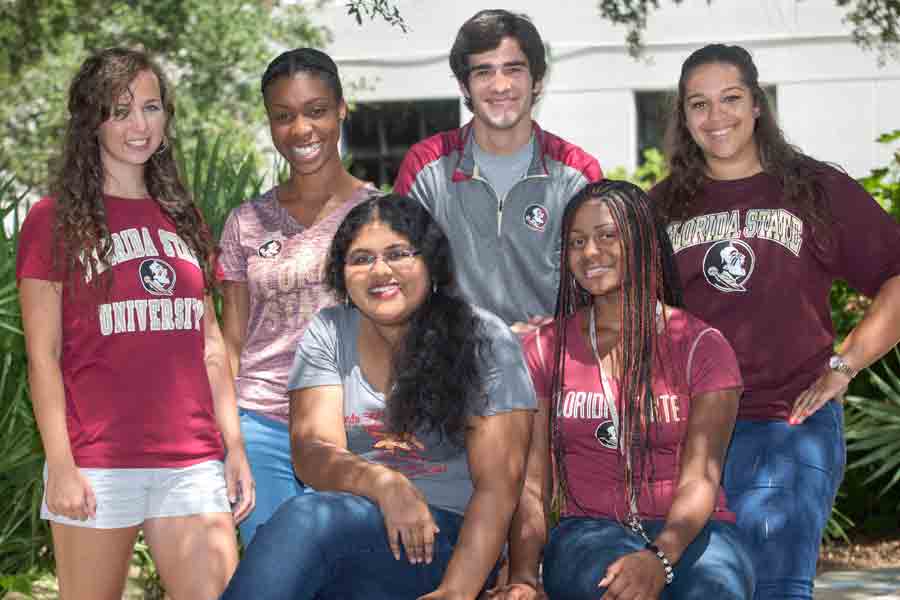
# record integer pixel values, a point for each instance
(387, 292)
(720, 113)
(134, 129)
(500, 87)
(305, 122)
(594, 248)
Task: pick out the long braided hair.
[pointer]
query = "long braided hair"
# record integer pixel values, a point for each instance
(649, 275)
(81, 228)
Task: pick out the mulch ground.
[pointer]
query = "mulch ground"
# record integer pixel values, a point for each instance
(862, 553)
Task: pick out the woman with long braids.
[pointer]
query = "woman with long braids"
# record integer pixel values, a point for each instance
(129, 379)
(273, 257)
(637, 400)
(410, 415)
(761, 231)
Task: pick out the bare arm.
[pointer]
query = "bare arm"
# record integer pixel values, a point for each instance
(235, 316)
(68, 493)
(528, 532)
(497, 478)
(878, 332)
(321, 459)
(710, 425)
(238, 477)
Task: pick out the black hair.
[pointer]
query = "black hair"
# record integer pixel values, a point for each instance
(436, 373)
(649, 275)
(485, 31)
(304, 60)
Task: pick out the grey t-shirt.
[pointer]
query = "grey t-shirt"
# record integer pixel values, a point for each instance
(327, 355)
(503, 171)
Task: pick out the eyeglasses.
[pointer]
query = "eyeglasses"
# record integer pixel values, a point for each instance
(395, 258)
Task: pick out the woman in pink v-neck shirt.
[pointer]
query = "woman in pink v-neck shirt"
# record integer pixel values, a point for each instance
(273, 254)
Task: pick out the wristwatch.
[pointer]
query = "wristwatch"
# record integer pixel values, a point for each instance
(837, 363)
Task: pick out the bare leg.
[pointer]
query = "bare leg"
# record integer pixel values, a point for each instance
(195, 555)
(92, 564)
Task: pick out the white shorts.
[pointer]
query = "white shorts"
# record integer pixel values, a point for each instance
(128, 497)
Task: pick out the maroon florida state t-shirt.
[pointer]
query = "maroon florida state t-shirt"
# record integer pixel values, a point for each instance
(752, 268)
(137, 391)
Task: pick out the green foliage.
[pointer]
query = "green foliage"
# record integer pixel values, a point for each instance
(647, 175)
(214, 51)
(873, 426)
(24, 537)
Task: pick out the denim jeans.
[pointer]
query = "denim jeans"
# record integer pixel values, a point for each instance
(268, 445)
(781, 481)
(715, 565)
(333, 546)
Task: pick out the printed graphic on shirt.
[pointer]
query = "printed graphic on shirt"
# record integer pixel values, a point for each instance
(730, 261)
(291, 288)
(403, 453)
(607, 434)
(157, 277)
(536, 217)
(591, 405)
(728, 265)
(270, 249)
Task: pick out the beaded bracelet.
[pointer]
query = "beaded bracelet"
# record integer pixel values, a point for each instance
(667, 565)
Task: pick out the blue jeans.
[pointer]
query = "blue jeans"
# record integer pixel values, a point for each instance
(333, 546)
(781, 481)
(715, 565)
(268, 446)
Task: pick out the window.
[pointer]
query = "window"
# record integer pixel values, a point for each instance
(378, 134)
(653, 110)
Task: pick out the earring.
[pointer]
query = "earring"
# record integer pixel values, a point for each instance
(434, 287)
(347, 300)
(163, 146)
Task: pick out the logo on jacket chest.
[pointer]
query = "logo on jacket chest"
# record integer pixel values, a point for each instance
(536, 217)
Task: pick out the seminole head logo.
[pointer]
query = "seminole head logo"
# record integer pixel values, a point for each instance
(728, 265)
(607, 434)
(270, 249)
(536, 217)
(157, 277)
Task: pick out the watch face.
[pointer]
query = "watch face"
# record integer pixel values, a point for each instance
(835, 361)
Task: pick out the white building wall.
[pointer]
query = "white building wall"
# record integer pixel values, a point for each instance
(833, 98)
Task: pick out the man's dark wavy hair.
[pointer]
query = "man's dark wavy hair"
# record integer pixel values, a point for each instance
(437, 372)
(485, 31)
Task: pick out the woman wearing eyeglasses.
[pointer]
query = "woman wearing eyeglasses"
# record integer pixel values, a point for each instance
(401, 400)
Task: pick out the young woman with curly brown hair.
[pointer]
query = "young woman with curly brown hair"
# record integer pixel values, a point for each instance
(130, 383)
(761, 231)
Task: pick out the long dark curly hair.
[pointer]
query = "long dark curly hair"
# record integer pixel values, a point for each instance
(649, 275)
(436, 372)
(798, 173)
(81, 226)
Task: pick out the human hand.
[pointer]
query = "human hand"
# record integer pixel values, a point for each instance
(830, 385)
(69, 494)
(639, 575)
(523, 328)
(440, 594)
(239, 483)
(407, 519)
(517, 591)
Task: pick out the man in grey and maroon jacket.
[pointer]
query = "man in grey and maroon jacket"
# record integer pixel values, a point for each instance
(498, 185)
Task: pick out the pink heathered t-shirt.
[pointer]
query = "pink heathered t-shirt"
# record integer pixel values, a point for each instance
(283, 264)
(694, 359)
(136, 387)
